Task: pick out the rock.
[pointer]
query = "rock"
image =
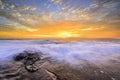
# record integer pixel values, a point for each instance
(29, 60)
(25, 54)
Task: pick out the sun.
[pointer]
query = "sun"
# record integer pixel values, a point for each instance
(64, 34)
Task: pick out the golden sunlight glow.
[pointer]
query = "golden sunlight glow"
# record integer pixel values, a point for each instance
(64, 30)
(65, 35)
(66, 22)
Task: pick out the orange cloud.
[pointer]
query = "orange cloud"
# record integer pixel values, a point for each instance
(62, 30)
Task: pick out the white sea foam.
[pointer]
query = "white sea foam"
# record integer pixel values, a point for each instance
(70, 52)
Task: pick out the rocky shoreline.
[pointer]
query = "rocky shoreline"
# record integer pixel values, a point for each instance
(55, 70)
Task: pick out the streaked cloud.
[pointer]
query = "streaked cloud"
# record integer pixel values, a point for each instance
(35, 15)
(91, 28)
(57, 1)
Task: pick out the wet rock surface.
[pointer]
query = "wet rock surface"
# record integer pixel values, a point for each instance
(49, 69)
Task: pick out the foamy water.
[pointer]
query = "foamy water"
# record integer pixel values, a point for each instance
(71, 52)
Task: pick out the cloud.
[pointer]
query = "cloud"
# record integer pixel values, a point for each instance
(103, 8)
(101, 12)
(113, 17)
(7, 28)
(16, 13)
(92, 28)
(13, 27)
(57, 1)
(12, 17)
(1, 6)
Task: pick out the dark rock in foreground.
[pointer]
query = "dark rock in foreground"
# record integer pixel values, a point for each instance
(27, 53)
(55, 70)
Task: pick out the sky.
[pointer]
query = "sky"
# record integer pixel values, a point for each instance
(59, 19)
